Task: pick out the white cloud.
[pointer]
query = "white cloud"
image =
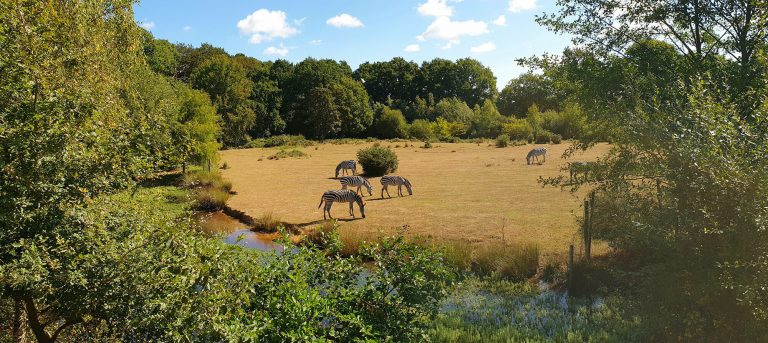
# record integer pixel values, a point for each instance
(187, 28)
(275, 51)
(521, 5)
(149, 25)
(265, 25)
(299, 22)
(435, 8)
(501, 20)
(445, 29)
(344, 20)
(485, 47)
(316, 41)
(412, 48)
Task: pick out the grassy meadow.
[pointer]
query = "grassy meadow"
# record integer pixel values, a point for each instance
(463, 192)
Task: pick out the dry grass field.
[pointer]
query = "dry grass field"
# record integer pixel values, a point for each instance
(462, 192)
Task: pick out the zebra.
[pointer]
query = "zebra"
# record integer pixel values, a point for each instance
(576, 168)
(356, 181)
(344, 195)
(346, 165)
(392, 180)
(535, 153)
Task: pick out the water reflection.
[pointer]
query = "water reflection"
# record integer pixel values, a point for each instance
(235, 232)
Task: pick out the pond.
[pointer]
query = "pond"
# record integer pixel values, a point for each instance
(236, 232)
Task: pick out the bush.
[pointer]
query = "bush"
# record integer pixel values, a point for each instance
(421, 129)
(557, 139)
(543, 137)
(377, 160)
(502, 141)
(390, 124)
(427, 145)
(286, 154)
(204, 179)
(517, 129)
(267, 222)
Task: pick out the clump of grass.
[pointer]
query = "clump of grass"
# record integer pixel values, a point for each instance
(353, 240)
(210, 190)
(287, 153)
(427, 145)
(268, 222)
(224, 165)
(322, 234)
(210, 199)
(515, 262)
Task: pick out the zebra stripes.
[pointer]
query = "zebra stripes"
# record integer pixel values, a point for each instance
(576, 168)
(535, 153)
(356, 181)
(392, 180)
(346, 165)
(344, 195)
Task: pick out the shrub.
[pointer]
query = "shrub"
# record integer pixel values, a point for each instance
(390, 123)
(543, 137)
(421, 129)
(557, 139)
(515, 262)
(204, 179)
(377, 161)
(427, 145)
(286, 154)
(502, 141)
(517, 129)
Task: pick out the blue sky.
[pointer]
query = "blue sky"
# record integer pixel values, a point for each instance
(495, 32)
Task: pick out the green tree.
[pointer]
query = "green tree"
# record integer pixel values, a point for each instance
(226, 83)
(528, 89)
(486, 121)
(390, 123)
(162, 56)
(453, 110)
(466, 79)
(390, 80)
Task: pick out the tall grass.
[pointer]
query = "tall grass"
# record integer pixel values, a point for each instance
(515, 262)
(267, 222)
(209, 190)
(287, 153)
(281, 140)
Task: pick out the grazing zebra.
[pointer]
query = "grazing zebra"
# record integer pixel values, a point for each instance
(399, 181)
(577, 168)
(535, 153)
(356, 181)
(343, 195)
(346, 165)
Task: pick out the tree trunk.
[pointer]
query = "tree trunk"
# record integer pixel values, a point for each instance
(34, 321)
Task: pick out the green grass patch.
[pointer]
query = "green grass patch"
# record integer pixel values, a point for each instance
(281, 140)
(287, 154)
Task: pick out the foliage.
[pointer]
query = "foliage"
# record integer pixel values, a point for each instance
(502, 141)
(500, 311)
(569, 123)
(390, 123)
(377, 160)
(444, 129)
(421, 129)
(466, 79)
(229, 89)
(518, 129)
(486, 121)
(527, 90)
(453, 110)
(287, 154)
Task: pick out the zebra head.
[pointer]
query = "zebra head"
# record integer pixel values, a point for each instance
(408, 186)
(368, 186)
(338, 168)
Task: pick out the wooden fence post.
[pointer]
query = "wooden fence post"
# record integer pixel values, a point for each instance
(587, 230)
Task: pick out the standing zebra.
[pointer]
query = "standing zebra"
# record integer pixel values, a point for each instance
(577, 168)
(535, 153)
(399, 181)
(343, 195)
(346, 165)
(356, 181)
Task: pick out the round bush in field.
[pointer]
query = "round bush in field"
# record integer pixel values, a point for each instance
(377, 160)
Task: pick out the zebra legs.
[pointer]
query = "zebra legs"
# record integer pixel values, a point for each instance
(351, 209)
(399, 190)
(327, 208)
(385, 188)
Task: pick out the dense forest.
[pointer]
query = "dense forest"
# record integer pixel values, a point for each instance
(92, 108)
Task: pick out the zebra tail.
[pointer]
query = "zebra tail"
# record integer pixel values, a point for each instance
(321, 202)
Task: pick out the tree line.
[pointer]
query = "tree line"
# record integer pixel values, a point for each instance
(323, 98)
